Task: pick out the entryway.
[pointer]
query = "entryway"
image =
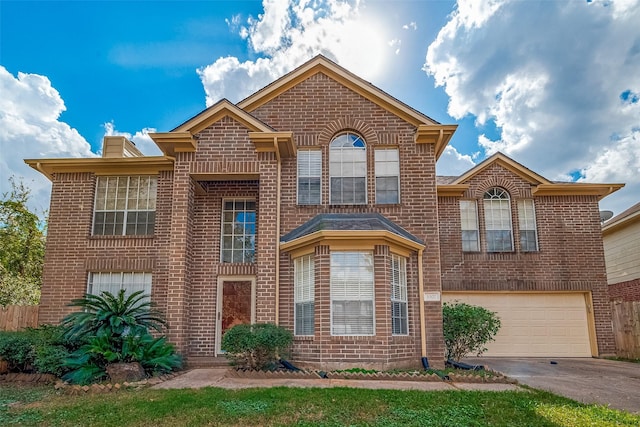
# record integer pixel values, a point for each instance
(236, 304)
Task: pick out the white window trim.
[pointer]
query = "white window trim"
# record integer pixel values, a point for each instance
(373, 299)
(315, 150)
(146, 274)
(397, 150)
(126, 210)
(535, 223)
(222, 210)
(402, 264)
(474, 203)
(366, 177)
(296, 300)
(487, 229)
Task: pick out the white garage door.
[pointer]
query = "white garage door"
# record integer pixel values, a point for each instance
(534, 324)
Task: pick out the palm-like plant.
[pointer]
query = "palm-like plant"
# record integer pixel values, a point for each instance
(115, 329)
(112, 315)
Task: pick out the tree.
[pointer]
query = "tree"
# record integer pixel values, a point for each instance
(22, 242)
(467, 328)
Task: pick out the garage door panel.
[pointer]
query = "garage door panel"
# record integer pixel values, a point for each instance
(542, 325)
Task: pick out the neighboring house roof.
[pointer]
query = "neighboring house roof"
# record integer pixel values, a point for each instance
(622, 220)
(541, 186)
(349, 222)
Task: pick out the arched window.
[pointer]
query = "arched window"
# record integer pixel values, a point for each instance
(497, 220)
(348, 170)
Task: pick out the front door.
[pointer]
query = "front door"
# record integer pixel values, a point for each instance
(235, 305)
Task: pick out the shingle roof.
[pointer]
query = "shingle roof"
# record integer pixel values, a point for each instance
(349, 222)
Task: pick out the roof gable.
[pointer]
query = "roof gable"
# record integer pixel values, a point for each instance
(541, 186)
(320, 64)
(507, 163)
(219, 110)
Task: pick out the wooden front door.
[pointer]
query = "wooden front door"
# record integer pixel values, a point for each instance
(235, 305)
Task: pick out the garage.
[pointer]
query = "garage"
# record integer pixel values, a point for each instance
(534, 324)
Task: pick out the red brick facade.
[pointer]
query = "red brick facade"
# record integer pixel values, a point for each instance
(184, 253)
(625, 291)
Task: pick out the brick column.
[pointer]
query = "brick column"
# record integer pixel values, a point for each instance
(266, 238)
(179, 255)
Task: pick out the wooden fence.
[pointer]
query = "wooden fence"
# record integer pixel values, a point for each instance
(626, 328)
(16, 317)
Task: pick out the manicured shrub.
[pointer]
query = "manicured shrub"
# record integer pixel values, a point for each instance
(467, 329)
(256, 346)
(115, 329)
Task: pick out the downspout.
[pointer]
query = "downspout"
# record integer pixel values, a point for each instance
(277, 260)
(423, 335)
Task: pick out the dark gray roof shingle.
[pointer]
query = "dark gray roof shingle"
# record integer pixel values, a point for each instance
(349, 222)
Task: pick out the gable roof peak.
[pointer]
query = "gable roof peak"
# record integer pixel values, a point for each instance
(324, 65)
(507, 163)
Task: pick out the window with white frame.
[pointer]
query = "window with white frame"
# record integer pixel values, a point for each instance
(352, 294)
(309, 177)
(348, 170)
(238, 231)
(387, 176)
(527, 222)
(303, 295)
(469, 225)
(113, 282)
(497, 219)
(399, 316)
(125, 205)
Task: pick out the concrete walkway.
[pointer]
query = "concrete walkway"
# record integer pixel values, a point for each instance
(606, 382)
(216, 377)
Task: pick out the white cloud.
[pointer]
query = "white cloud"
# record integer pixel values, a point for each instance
(291, 32)
(30, 109)
(395, 43)
(453, 163)
(411, 25)
(558, 79)
(141, 139)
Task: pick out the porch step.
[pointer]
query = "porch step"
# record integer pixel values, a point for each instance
(193, 362)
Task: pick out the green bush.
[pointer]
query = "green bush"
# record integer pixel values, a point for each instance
(467, 329)
(17, 349)
(39, 349)
(115, 329)
(256, 346)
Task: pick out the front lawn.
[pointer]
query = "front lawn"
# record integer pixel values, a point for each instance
(301, 407)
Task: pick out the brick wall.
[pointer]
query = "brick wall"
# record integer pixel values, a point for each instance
(72, 252)
(625, 291)
(570, 256)
(323, 109)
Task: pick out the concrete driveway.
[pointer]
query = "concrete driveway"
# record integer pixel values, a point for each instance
(606, 382)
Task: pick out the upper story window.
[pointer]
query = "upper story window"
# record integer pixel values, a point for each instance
(469, 225)
(387, 176)
(238, 231)
(309, 177)
(348, 170)
(125, 205)
(497, 219)
(527, 223)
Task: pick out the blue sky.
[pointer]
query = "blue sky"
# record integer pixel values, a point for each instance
(555, 85)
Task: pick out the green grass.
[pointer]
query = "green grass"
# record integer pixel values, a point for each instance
(302, 407)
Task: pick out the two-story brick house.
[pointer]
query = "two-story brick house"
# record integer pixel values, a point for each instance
(314, 204)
